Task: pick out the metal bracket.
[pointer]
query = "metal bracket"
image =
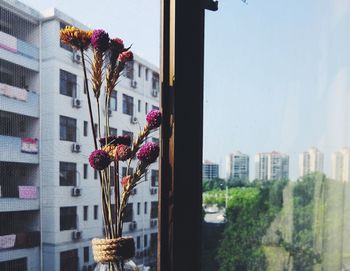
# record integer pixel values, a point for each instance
(211, 5)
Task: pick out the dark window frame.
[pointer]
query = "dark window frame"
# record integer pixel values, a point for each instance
(68, 84)
(68, 129)
(68, 218)
(128, 105)
(67, 173)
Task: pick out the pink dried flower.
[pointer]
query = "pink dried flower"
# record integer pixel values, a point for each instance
(126, 56)
(100, 40)
(116, 45)
(154, 119)
(125, 181)
(148, 153)
(122, 152)
(99, 159)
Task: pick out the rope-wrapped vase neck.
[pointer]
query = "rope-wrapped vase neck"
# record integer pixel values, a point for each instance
(112, 250)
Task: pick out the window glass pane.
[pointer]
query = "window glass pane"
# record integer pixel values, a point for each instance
(50, 198)
(276, 145)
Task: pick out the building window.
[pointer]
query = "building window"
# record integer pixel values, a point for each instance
(68, 218)
(86, 213)
(138, 208)
(154, 209)
(129, 134)
(113, 131)
(85, 171)
(129, 213)
(146, 74)
(129, 70)
(155, 140)
(139, 106)
(69, 260)
(128, 105)
(140, 70)
(68, 84)
(63, 45)
(86, 254)
(138, 242)
(15, 265)
(95, 174)
(146, 108)
(95, 212)
(68, 176)
(155, 107)
(68, 129)
(154, 177)
(113, 102)
(145, 210)
(86, 127)
(145, 240)
(124, 169)
(155, 81)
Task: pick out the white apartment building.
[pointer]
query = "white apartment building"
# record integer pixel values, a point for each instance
(210, 170)
(340, 162)
(237, 166)
(310, 161)
(271, 166)
(42, 102)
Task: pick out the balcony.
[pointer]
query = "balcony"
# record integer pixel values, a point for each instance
(19, 101)
(21, 203)
(19, 52)
(12, 150)
(20, 240)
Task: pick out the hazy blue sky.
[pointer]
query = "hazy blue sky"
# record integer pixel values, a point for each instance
(276, 73)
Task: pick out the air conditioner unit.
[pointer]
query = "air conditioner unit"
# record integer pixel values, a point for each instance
(139, 254)
(155, 93)
(76, 57)
(133, 84)
(76, 235)
(134, 191)
(76, 103)
(133, 120)
(154, 223)
(132, 226)
(153, 191)
(76, 147)
(76, 192)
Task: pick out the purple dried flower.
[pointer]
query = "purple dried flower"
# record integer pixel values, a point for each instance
(117, 45)
(122, 152)
(99, 159)
(100, 40)
(154, 119)
(148, 153)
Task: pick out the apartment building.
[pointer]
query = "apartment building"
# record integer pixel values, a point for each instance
(310, 161)
(271, 166)
(237, 166)
(50, 195)
(340, 163)
(210, 170)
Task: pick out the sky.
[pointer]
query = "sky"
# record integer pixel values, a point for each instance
(276, 72)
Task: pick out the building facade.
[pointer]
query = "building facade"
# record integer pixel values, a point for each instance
(310, 161)
(50, 195)
(210, 170)
(271, 166)
(340, 162)
(237, 166)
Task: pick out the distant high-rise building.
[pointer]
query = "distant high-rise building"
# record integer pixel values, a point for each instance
(341, 165)
(310, 161)
(237, 166)
(271, 166)
(210, 170)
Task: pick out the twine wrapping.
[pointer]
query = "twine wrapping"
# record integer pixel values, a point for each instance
(112, 250)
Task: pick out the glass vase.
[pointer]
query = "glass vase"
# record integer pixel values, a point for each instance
(117, 266)
(114, 254)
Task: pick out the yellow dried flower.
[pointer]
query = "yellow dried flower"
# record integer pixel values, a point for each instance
(111, 150)
(77, 38)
